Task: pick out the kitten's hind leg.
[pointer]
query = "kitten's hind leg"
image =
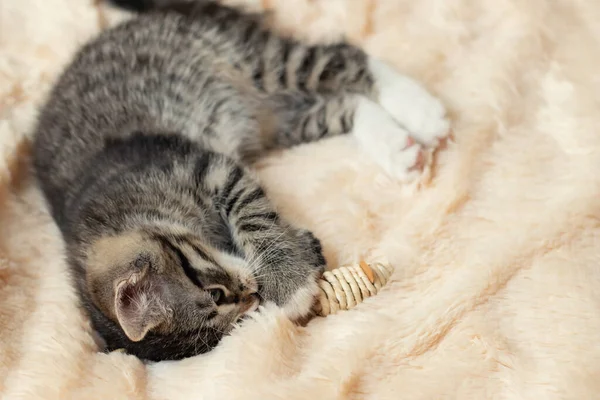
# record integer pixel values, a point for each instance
(344, 67)
(308, 117)
(302, 117)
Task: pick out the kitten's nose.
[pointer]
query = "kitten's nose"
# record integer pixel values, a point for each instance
(250, 303)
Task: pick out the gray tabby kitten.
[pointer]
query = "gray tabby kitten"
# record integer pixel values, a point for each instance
(142, 152)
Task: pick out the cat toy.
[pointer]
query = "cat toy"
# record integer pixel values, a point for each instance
(345, 287)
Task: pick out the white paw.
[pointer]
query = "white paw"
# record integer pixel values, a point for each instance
(386, 142)
(410, 104)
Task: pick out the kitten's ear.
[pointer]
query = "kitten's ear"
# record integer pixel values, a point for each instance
(123, 285)
(140, 305)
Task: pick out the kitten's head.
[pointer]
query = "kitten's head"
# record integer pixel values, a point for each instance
(165, 296)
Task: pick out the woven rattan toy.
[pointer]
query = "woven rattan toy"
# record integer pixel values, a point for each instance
(345, 287)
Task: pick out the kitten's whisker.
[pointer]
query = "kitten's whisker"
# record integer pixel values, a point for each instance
(268, 230)
(269, 249)
(259, 247)
(271, 246)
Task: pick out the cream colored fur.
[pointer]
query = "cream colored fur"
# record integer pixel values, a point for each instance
(496, 293)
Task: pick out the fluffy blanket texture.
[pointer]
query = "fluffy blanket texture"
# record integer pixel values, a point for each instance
(495, 294)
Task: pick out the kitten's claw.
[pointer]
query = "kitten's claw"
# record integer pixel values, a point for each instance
(408, 163)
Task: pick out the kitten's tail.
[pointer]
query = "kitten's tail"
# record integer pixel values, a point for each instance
(135, 5)
(149, 5)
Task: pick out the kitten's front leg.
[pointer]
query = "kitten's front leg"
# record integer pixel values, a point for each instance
(285, 261)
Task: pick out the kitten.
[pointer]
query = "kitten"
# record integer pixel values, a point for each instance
(142, 152)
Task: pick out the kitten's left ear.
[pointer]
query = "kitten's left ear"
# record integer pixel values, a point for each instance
(123, 285)
(140, 305)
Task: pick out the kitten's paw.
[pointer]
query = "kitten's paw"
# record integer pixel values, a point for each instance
(386, 142)
(411, 105)
(301, 304)
(293, 282)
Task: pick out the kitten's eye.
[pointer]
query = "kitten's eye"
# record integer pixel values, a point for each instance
(216, 294)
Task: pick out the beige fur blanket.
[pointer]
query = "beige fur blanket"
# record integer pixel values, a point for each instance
(496, 293)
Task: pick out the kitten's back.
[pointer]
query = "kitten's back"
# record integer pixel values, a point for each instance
(159, 73)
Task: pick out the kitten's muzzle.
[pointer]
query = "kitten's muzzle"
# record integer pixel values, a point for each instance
(249, 303)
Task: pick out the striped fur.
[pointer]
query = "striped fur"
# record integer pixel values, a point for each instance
(142, 152)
